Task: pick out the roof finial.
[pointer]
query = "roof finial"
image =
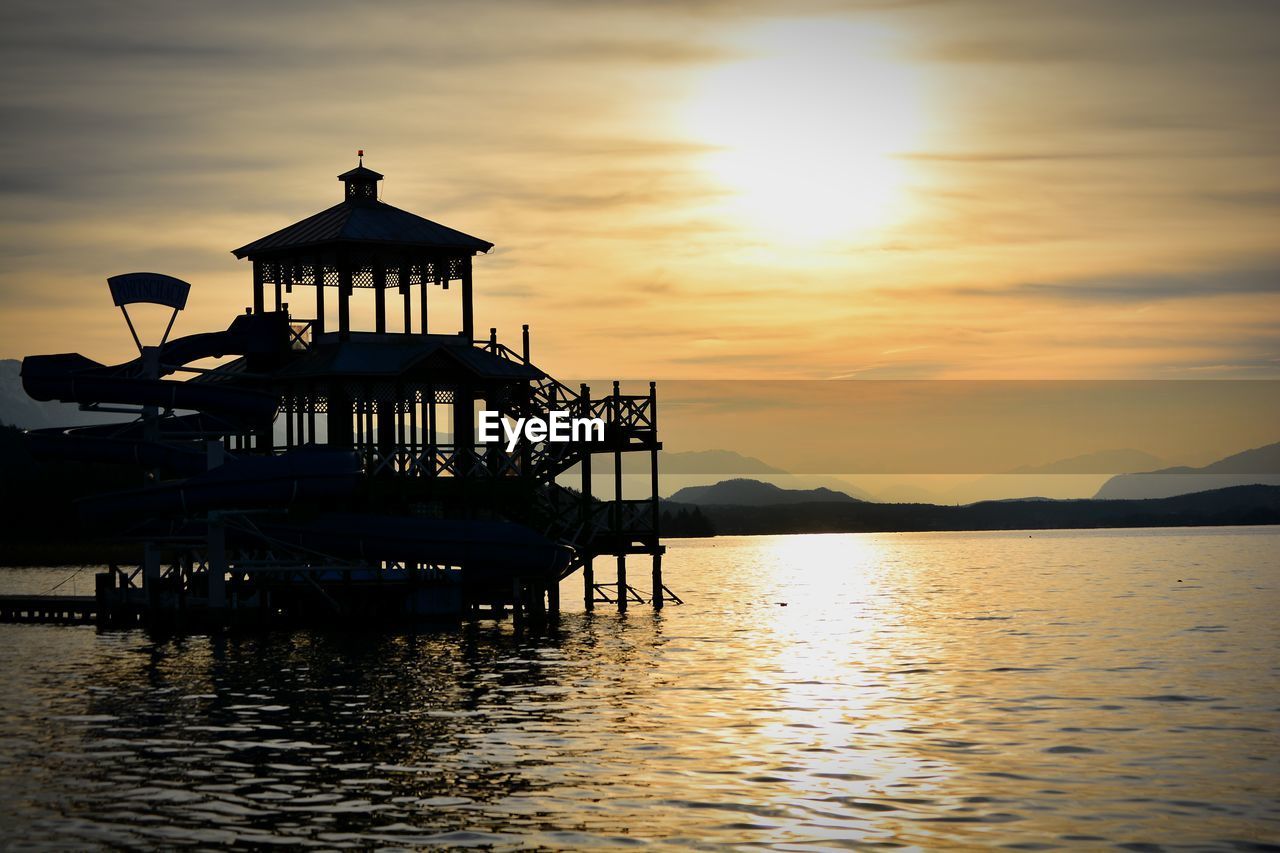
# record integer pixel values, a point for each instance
(360, 154)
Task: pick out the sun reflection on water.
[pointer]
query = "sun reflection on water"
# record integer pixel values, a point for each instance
(926, 690)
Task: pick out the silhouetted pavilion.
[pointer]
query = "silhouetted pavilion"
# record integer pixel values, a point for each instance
(364, 242)
(336, 473)
(407, 401)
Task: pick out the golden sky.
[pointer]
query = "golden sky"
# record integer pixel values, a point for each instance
(700, 190)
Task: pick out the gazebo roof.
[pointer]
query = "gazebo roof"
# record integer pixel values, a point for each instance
(362, 219)
(377, 223)
(361, 173)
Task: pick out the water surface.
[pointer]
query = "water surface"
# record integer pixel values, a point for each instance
(1055, 689)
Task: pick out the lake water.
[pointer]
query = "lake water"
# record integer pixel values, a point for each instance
(1060, 689)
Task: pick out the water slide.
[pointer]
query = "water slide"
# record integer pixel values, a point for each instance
(218, 411)
(73, 378)
(315, 476)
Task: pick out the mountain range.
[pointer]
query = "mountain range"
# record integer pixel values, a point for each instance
(744, 492)
(1259, 466)
(1239, 505)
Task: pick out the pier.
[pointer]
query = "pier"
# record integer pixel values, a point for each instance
(59, 609)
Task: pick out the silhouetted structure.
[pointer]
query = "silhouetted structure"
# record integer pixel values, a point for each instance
(329, 470)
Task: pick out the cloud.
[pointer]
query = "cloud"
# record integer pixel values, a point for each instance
(155, 135)
(1125, 288)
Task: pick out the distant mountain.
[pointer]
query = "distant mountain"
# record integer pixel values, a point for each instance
(1259, 466)
(1101, 462)
(1064, 479)
(685, 468)
(905, 493)
(712, 462)
(17, 409)
(743, 492)
(1234, 506)
(815, 482)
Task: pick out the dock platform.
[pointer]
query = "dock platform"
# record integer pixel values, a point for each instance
(58, 609)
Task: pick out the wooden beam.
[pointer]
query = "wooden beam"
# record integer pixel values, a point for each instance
(423, 310)
(380, 299)
(344, 298)
(588, 568)
(317, 328)
(617, 496)
(622, 583)
(468, 308)
(403, 277)
(259, 298)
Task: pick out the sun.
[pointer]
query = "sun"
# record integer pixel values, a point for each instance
(807, 129)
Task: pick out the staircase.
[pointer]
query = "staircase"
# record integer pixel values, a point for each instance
(588, 525)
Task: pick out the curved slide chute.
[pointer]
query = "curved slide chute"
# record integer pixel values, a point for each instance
(312, 476)
(218, 410)
(73, 378)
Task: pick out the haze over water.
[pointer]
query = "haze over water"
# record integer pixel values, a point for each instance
(1038, 690)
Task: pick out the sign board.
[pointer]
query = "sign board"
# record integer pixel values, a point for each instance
(149, 287)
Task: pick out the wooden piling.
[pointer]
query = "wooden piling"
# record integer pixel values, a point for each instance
(622, 584)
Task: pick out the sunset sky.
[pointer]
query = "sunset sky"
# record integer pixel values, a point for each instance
(702, 190)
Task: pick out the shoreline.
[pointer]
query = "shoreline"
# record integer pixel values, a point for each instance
(73, 556)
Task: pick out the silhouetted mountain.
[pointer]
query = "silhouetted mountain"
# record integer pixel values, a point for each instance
(712, 462)
(1100, 462)
(1258, 466)
(1232, 506)
(681, 469)
(905, 493)
(743, 492)
(1064, 479)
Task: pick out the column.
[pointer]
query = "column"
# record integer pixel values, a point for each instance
(344, 299)
(468, 310)
(380, 299)
(259, 298)
(317, 328)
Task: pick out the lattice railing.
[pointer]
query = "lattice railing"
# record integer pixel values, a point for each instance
(443, 460)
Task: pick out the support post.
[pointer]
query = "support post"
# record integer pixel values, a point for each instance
(151, 574)
(429, 414)
(275, 270)
(386, 431)
(423, 309)
(344, 300)
(616, 520)
(217, 571)
(317, 328)
(518, 603)
(464, 436)
(408, 305)
(380, 299)
(622, 583)
(339, 418)
(468, 309)
(525, 334)
(588, 569)
(259, 298)
(653, 486)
